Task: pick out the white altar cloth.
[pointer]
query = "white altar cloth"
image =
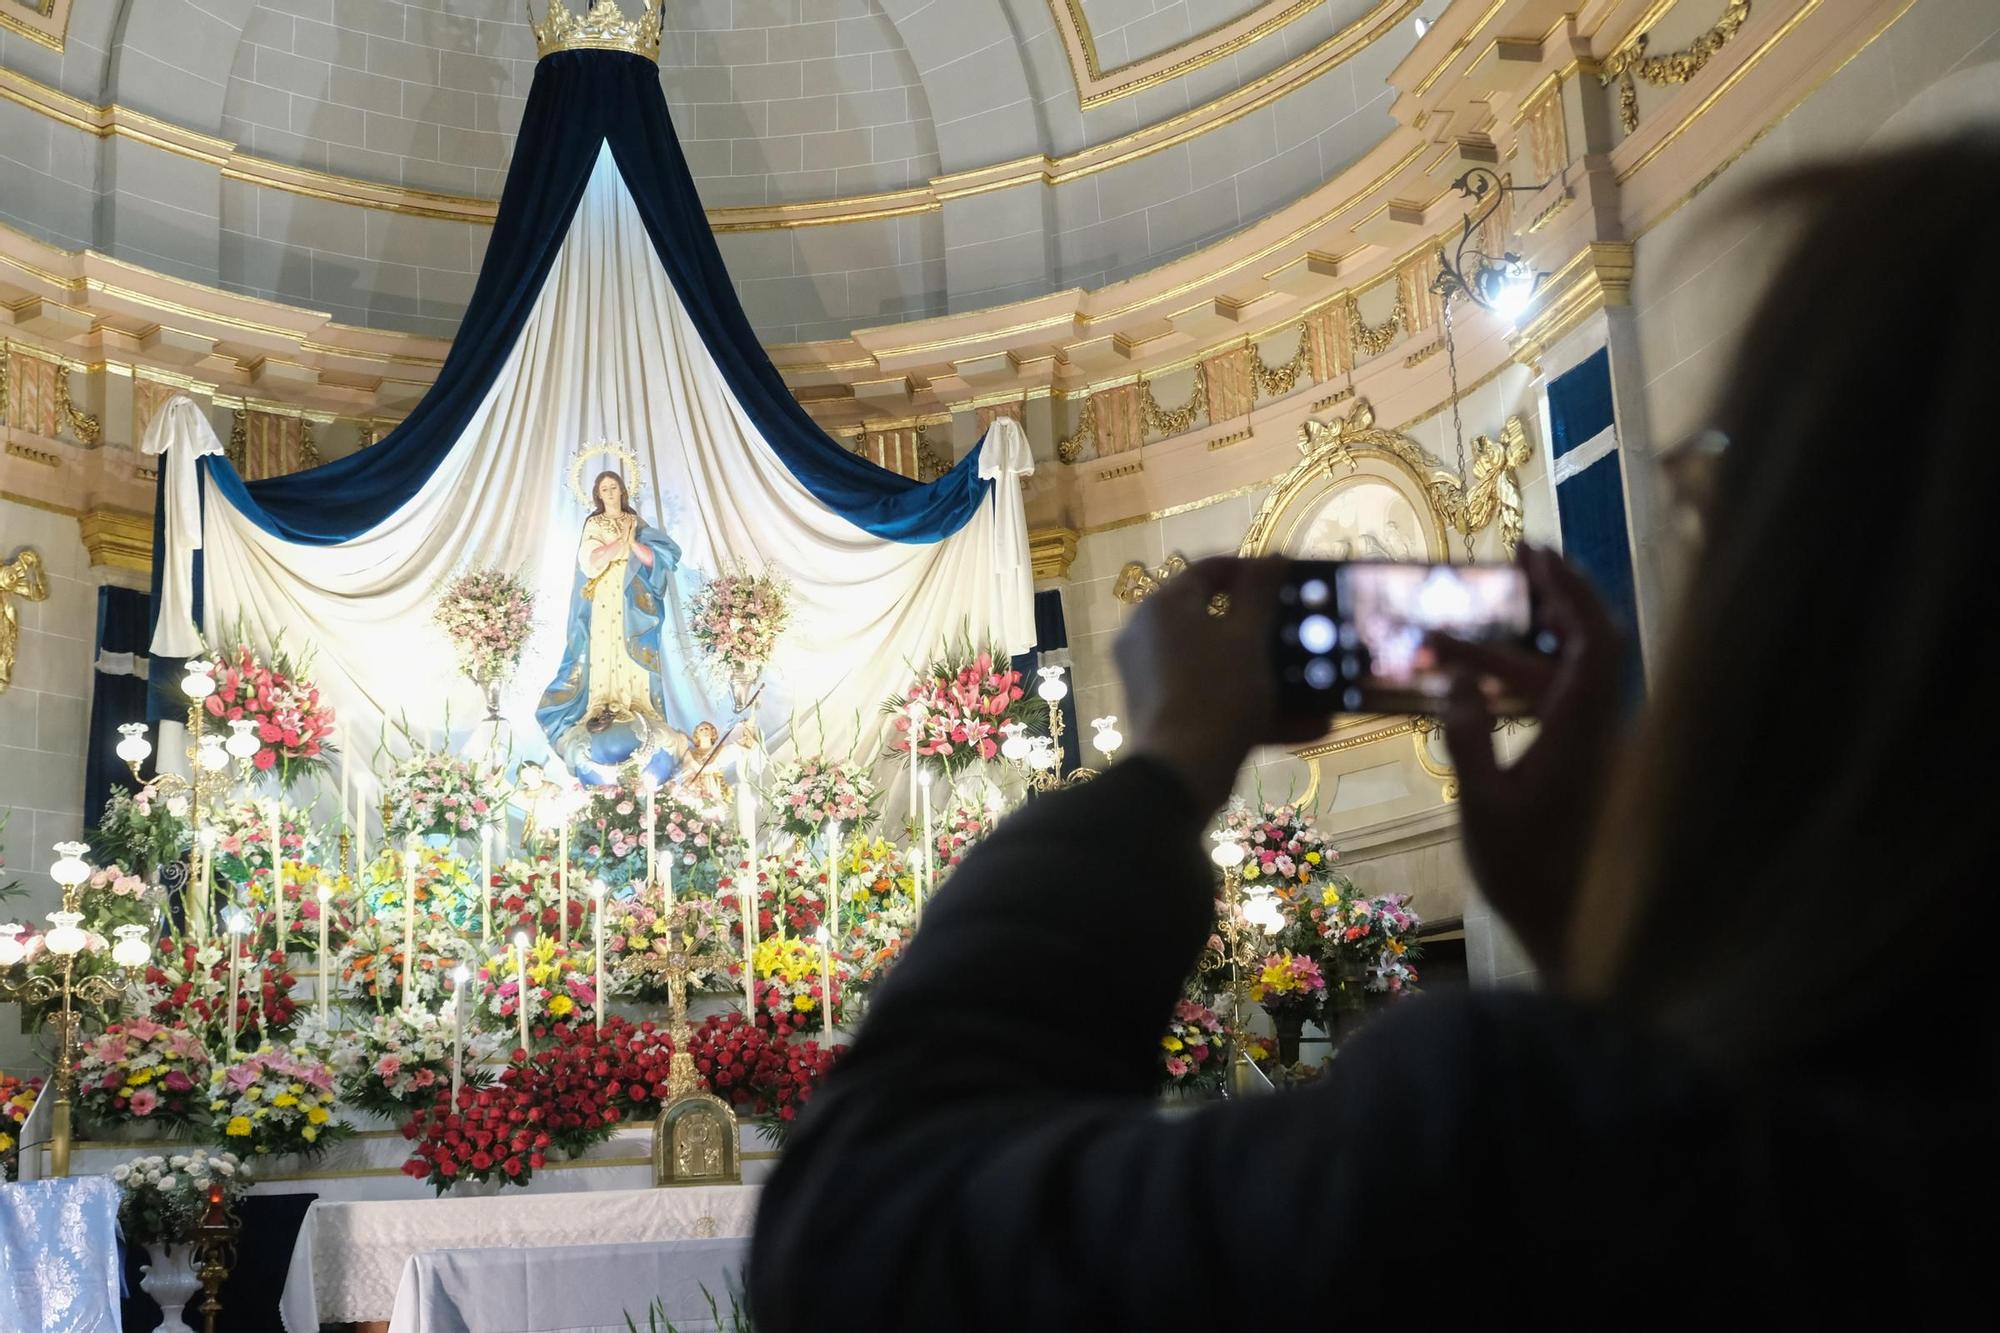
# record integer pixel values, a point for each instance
(569, 1289)
(348, 1261)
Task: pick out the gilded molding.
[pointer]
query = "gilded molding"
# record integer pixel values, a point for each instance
(1180, 420)
(21, 579)
(86, 429)
(118, 539)
(1051, 551)
(1069, 448)
(1373, 340)
(44, 22)
(1277, 381)
(1135, 582)
(1096, 85)
(1597, 276)
(1630, 61)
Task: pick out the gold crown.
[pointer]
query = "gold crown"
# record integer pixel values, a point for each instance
(604, 28)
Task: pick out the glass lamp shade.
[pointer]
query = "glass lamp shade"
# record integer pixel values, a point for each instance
(66, 937)
(199, 682)
(131, 951)
(1105, 736)
(1052, 687)
(242, 742)
(133, 747)
(11, 949)
(1015, 744)
(70, 869)
(1265, 914)
(211, 756)
(1228, 852)
(1041, 754)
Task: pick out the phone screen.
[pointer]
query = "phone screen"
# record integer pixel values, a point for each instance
(1352, 636)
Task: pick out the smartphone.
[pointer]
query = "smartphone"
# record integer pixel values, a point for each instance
(1352, 635)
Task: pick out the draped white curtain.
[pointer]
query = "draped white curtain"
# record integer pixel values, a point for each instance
(608, 353)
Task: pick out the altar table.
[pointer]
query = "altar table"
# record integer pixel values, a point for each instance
(348, 1263)
(570, 1289)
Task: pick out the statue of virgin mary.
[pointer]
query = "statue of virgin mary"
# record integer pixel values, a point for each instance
(607, 706)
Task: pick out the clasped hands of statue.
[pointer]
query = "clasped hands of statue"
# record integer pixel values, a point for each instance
(625, 544)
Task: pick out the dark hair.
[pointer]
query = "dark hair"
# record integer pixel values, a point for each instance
(1801, 831)
(624, 494)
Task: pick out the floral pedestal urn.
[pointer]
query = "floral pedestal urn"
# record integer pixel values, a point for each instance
(170, 1280)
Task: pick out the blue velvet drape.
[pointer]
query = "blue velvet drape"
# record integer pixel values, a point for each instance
(580, 100)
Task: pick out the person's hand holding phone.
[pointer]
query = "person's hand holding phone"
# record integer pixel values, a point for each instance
(1527, 826)
(1195, 659)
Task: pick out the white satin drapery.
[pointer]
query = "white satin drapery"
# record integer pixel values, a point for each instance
(608, 353)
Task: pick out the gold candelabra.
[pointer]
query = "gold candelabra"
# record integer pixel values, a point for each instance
(1041, 757)
(1239, 955)
(215, 1242)
(66, 942)
(209, 778)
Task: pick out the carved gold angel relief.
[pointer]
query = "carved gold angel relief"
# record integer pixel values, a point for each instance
(21, 579)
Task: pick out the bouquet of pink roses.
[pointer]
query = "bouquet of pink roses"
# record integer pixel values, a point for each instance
(737, 618)
(487, 614)
(811, 792)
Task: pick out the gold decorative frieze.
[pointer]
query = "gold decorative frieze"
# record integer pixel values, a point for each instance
(1277, 381)
(118, 539)
(1597, 276)
(21, 579)
(1373, 340)
(1543, 129)
(1135, 583)
(45, 22)
(29, 454)
(1229, 383)
(1630, 62)
(1424, 353)
(1051, 551)
(1069, 448)
(83, 426)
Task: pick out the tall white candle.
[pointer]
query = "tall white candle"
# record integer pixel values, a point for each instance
(485, 887)
(410, 921)
(521, 983)
(562, 880)
(746, 890)
(832, 872)
(826, 984)
(325, 910)
(925, 863)
(597, 888)
(235, 979)
(652, 811)
(458, 976)
(276, 816)
(667, 882)
(345, 769)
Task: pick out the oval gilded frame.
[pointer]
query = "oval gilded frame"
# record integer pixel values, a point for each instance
(1336, 456)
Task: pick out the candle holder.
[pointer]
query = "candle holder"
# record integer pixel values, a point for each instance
(1239, 955)
(696, 1139)
(208, 766)
(215, 1243)
(1040, 758)
(66, 941)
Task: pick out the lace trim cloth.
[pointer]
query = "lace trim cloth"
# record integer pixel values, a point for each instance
(349, 1256)
(59, 1256)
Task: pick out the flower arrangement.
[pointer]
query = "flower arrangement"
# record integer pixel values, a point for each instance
(952, 712)
(562, 992)
(635, 931)
(811, 792)
(572, 1082)
(791, 894)
(736, 1058)
(439, 794)
(294, 728)
(527, 896)
(488, 615)
(802, 1068)
(873, 871)
(1191, 1049)
(1281, 845)
(789, 984)
(275, 1100)
(114, 896)
(395, 1064)
(491, 1133)
(737, 618)
(243, 841)
(369, 965)
(187, 985)
(147, 830)
(873, 936)
(163, 1199)
(608, 839)
(1373, 940)
(1288, 984)
(697, 840)
(139, 1071)
(17, 1098)
(965, 821)
(632, 1060)
(447, 888)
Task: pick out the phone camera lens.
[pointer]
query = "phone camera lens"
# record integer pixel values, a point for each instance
(1547, 642)
(1313, 592)
(1317, 634)
(1351, 700)
(1319, 674)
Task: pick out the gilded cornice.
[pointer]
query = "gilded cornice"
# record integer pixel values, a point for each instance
(1096, 85)
(117, 538)
(44, 22)
(1051, 551)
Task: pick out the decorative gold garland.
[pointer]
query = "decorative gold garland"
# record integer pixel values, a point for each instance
(1069, 449)
(1675, 67)
(237, 451)
(1180, 420)
(86, 428)
(1367, 340)
(930, 463)
(4, 361)
(1277, 381)
(308, 447)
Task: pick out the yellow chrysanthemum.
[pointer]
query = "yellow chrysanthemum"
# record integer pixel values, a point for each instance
(1250, 870)
(138, 1078)
(308, 1133)
(802, 1002)
(284, 1099)
(238, 1128)
(253, 1092)
(317, 1115)
(297, 1088)
(1171, 1042)
(6, 1143)
(561, 1006)
(1312, 858)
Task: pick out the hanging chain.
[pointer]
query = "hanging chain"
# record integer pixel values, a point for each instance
(1457, 425)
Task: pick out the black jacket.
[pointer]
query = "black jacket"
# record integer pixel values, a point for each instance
(990, 1155)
